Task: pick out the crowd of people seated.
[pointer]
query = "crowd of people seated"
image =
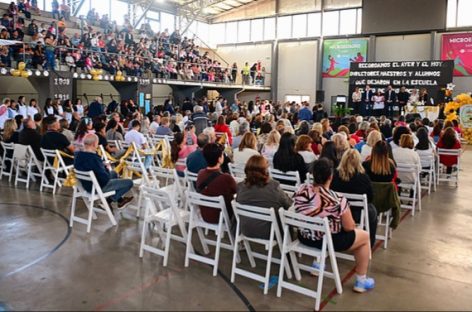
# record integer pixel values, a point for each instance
(348, 156)
(113, 48)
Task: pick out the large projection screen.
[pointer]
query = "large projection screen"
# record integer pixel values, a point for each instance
(395, 16)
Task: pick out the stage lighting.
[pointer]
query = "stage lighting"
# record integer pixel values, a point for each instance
(129, 78)
(46, 73)
(106, 77)
(112, 78)
(4, 71)
(30, 72)
(154, 80)
(37, 73)
(82, 76)
(89, 76)
(136, 79)
(100, 77)
(75, 75)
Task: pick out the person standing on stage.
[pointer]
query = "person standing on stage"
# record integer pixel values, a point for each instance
(390, 100)
(356, 100)
(379, 103)
(366, 102)
(402, 98)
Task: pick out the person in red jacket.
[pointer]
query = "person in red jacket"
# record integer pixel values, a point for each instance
(222, 127)
(449, 140)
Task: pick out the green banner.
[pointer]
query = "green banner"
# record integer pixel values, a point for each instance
(338, 55)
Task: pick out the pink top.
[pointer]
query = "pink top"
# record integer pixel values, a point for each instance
(184, 152)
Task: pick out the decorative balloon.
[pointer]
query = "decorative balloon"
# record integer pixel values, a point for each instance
(21, 71)
(119, 76)
(15, 73)
(96, 74)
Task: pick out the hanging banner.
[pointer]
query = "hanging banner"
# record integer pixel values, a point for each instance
(431, 75)
(338, 54)
(60, 84)
(466, 116)
(458, 48)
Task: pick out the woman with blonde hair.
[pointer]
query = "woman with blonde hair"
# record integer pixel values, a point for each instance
(258, 189)
(350, 178)
(373, 137)
(341, 144)
(10, 135)
(327, 130)
(246, 149)
(303, 147)
(271, 145)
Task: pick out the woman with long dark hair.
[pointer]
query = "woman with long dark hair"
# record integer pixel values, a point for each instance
(449, 140)
(329, 151)
(85, 127)
(424, 147)
(286, 159)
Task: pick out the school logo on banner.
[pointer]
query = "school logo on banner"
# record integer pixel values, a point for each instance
(338, 55)
(458, 48)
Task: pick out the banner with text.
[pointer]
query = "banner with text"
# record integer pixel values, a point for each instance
(431, 75)
(338, 54)
(458, 48)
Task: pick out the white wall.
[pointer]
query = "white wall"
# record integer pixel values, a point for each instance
(13, 87)
(333, 87)
(403, 48)
(160, 94)
(96, 88)
(297, 69)
(250, 53)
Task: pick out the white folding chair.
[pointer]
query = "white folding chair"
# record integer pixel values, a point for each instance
(384, 220)
(8, 150)
(191, 180)
(441, 169)
(115, 143)
(25, 161)
(430, 173)
(162, 212)
(194, 201)
(275, 239)
(169, 182)
(237, 171)
(410, 195)
(292, 219)
(289, 181)
(137, 167)
(359, 201)
(62, 168)
(89, 198)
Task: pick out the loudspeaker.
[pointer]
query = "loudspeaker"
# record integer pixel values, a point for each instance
(320, 96)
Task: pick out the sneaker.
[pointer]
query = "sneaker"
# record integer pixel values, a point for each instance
(124, 202)
(316, 268)
(361, 286)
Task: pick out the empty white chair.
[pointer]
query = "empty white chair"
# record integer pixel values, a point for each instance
(8, 149)
(237, 171)
(289, 181)
(442, 174)
(410, 195)
(162, 211)
(290, 247)
(89, 198)
(56, 168)
(115, 143)
(25, 161)
(384, 220)
(274, 240)
(430, 173)
(195, 201)
(359, 201)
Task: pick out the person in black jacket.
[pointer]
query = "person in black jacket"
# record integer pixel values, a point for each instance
(390, 100)
(366, 101)
(350, 178)
(402, 98)
(286, 159)
(29, 136)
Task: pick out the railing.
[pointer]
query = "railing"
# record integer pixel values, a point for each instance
(152, 68)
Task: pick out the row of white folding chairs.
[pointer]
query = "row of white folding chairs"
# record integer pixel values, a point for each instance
(21, 159)
(441, 173)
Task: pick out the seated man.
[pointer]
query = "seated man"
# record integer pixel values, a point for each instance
(136, 137)
(212, 182)
(29, 136)
(196, 161)
(53, 139)
(88, 160)
(164, 129)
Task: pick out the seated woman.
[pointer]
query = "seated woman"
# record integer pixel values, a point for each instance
(180, 150)
(222, 127)
(85, 127)
(397, 134)
(329, 151)
(373, 137)
(317, 141)
(318, 200)
(258, 189)
(406, 155)
(425, 147)
(246, 149)
(379, 167)
(448, 140)
(350, 178)
(286, 159)
(303, 147)
(341, 144)
(271, 145)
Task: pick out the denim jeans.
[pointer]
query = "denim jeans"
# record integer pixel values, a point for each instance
(50, 60)
(120, 186)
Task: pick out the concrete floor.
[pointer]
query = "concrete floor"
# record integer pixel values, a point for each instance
(46, 266)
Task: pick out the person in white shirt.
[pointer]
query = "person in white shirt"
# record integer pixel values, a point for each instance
(136, 137)
(79, 108)
(373, 137)
(246, 149)
(22, 107)
(406, 155)
(379, 103)
(4, 111)
(303, 147)
(356, 100)
(32, 108)
(155, 124)
(218, 107)
(271, 145)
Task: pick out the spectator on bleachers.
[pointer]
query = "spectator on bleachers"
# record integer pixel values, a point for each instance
(260, 190)
(65, 130)
(212, 181)
(33, 28)
(318, 200)
(55, 9)
(64, 9)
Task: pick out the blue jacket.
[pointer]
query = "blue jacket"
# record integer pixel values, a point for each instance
(85, 161)
(305, 114)
(95, 109)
